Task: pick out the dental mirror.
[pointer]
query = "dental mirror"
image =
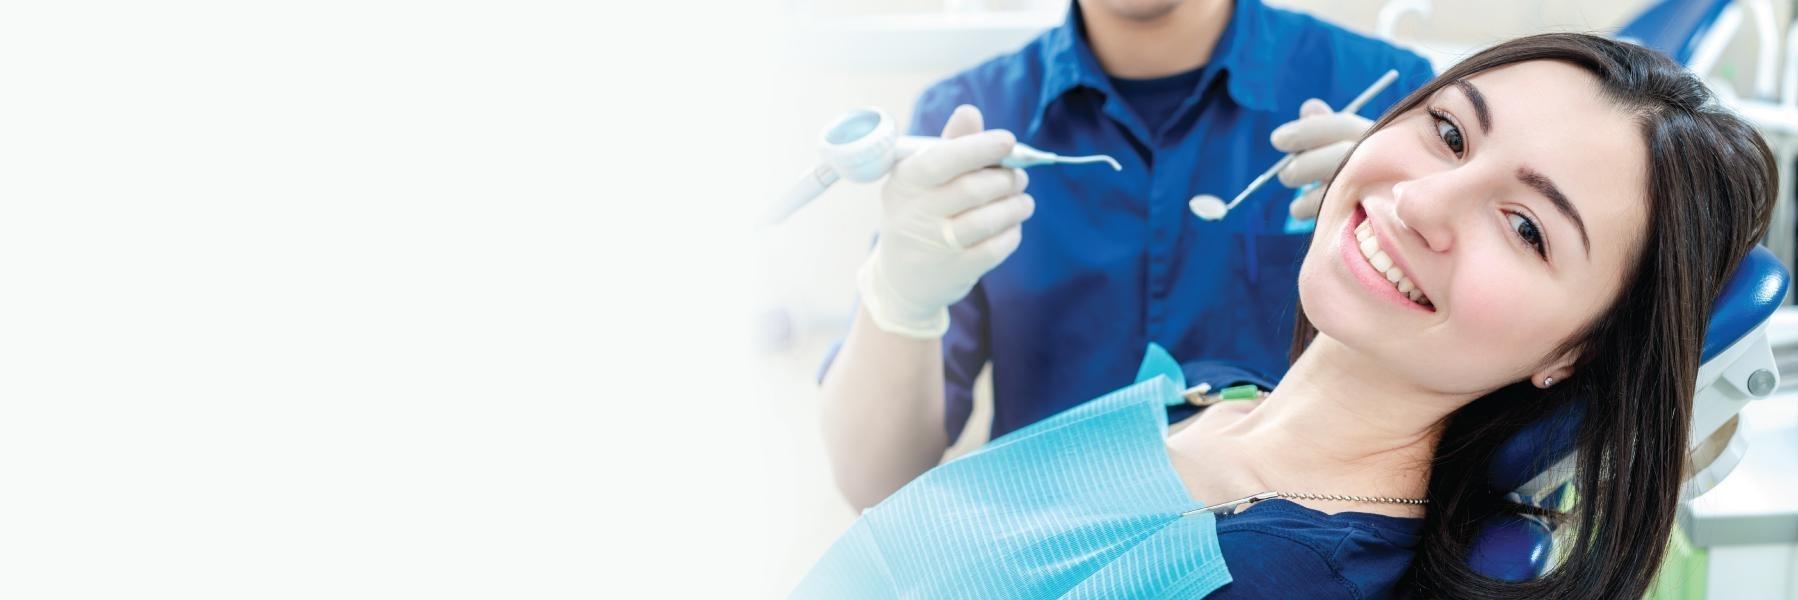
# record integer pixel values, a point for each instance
(1212, 208)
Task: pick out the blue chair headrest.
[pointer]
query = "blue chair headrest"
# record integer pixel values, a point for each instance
(1748, 299)
(1514, 548)
(1674, 27)
(1510, 548)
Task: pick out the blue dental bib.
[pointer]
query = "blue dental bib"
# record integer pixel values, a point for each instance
(1084, 504)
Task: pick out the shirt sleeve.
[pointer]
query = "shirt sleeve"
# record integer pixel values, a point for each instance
(935, 105)
(966, 348)
(1414, 75)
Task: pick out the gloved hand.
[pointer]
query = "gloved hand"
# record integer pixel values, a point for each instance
(1321, 139)
(948, 215)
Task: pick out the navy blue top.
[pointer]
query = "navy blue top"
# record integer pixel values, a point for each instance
(1154, 101)
(1113, 261)
(1280, 549)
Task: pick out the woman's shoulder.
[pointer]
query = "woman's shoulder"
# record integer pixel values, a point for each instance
(1282, 549)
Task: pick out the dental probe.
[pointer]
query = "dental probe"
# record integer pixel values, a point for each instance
(863, 145)
(1022, 155)
(1212, 208)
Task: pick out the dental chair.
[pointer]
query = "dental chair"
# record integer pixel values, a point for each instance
(1736, 366)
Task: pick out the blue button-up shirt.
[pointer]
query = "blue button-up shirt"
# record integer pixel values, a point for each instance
(1113, 261)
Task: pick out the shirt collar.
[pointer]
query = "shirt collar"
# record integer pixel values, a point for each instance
(1070, 62)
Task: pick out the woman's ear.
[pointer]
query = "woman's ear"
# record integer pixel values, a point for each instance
(1554, 372)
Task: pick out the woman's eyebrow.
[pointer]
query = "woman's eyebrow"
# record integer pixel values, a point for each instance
(1547, 188)
(1530, 177)
(1479, 103)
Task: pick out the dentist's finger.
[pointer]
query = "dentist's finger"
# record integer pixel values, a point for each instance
(965, 120)
(1312, 132)
(1314, 107)
(1315, 165)
(975, 189)
(1307, 205)
(949, 159)
(980, 223)
(995, 249)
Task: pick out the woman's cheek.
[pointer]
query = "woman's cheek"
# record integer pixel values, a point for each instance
(1379, 156)
(1386, 158)
(1497, 313)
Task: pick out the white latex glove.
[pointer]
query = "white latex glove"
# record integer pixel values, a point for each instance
(948, 215)
(1322, 139)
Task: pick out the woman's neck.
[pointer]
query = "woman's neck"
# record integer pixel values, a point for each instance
(1338, 423)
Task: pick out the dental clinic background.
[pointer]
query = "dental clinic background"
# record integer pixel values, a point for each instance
(406, 299)
(831, 57)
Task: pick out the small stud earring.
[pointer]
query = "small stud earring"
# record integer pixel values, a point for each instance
(1548, 381)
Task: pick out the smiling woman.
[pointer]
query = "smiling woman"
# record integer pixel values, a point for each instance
(1549, 220)
(1569, 206)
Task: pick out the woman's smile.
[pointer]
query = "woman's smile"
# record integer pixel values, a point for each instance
(1365, 252)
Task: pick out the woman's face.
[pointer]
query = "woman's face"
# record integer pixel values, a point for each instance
(1512, 202)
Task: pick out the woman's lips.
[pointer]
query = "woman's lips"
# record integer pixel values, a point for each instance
(1371, 279)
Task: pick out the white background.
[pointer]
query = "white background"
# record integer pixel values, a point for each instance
(379, 299)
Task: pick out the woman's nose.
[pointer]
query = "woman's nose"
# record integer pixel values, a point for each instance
(1422, 210)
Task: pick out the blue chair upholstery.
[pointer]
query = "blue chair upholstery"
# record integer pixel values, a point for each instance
(1747, 300)
(1675, 27)
(1514, 548)
(1511, 548)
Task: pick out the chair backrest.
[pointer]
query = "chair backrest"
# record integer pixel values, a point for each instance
(1515, 548)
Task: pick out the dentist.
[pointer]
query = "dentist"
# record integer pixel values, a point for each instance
(1187, 94)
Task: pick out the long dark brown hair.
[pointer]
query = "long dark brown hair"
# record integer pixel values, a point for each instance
(1710, 186)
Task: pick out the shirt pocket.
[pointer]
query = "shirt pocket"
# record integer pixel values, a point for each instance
(1270, 255)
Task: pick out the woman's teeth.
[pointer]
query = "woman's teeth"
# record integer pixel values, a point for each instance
(1370, 248)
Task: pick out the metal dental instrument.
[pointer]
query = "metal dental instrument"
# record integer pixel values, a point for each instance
(1212, 208)
(1228, 507)
(1021, 155)
(863, 145)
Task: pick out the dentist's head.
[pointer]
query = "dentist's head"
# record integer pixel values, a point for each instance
(1547, 221)
(1146, 39)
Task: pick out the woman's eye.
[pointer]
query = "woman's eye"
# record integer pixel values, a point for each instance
(1451, 135)
(1528, 232)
